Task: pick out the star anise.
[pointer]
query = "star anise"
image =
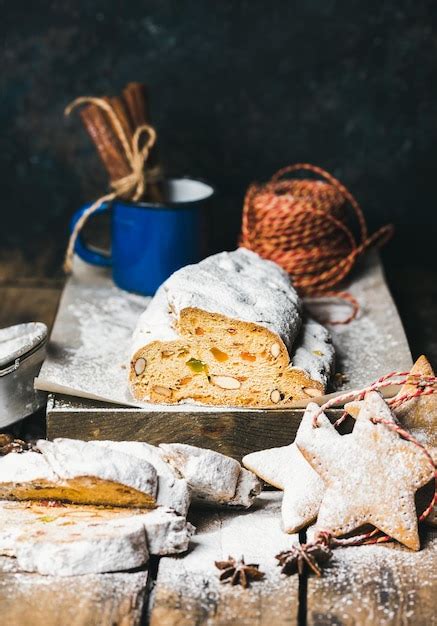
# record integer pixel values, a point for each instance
(238, 572)
(304, 558)
(9, 444)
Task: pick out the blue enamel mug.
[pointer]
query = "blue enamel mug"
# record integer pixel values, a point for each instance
(151, 240)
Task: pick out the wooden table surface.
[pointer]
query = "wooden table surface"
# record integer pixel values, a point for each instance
(384, 584)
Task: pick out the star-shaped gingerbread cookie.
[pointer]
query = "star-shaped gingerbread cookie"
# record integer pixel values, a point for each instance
(418, 415)
(285, 468)
(371, 476)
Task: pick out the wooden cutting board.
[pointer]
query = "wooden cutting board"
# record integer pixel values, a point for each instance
(86, 369)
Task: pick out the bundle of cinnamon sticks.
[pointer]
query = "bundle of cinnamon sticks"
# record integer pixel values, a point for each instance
(132, 110)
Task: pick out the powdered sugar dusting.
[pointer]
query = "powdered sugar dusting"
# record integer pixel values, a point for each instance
(374, 343)
(90, 343)
(383, 584)
(256, 535)
(15, 341)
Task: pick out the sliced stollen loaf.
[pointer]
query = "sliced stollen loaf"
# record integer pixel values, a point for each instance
(213, 478)
(78, 471)
(186, 471)
(229, 331)
(126, 474)
(67, 540)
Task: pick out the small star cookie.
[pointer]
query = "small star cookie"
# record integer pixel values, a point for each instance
(371, 476)
(285, 468)
(419, 415)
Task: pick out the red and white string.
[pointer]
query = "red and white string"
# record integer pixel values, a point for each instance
(306, 226)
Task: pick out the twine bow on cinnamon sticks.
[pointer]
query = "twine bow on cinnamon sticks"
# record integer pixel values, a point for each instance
(124, 158)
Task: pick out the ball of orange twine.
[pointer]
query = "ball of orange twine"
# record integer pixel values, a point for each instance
(306, 226)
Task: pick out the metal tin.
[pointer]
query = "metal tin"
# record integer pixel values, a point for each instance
(22, 352)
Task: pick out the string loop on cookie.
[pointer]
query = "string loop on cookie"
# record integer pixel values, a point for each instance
(426, 385)
(325, 537)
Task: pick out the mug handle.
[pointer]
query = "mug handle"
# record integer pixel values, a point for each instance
(85, 253)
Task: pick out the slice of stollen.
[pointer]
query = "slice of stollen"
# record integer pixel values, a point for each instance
(66, 540)
(173, 492)
(78, 471)
(172, 461)
(71, 540)
(213, 478)
(167, 532)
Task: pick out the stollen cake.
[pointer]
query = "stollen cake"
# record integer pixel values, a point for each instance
(78, 471)
(190, 474)
(229, 331)
(58, 539)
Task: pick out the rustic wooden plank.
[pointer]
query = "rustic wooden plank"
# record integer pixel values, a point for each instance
(28, 304)
(386, 585)
(232, 432)
(188, 592)
(94, 600)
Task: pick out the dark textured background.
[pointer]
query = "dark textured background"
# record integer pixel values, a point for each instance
(239, 88)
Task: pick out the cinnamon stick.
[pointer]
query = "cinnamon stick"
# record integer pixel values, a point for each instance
(97, 128)
(137, 102)
(132, 111)
(120, 111)
(135, 96)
